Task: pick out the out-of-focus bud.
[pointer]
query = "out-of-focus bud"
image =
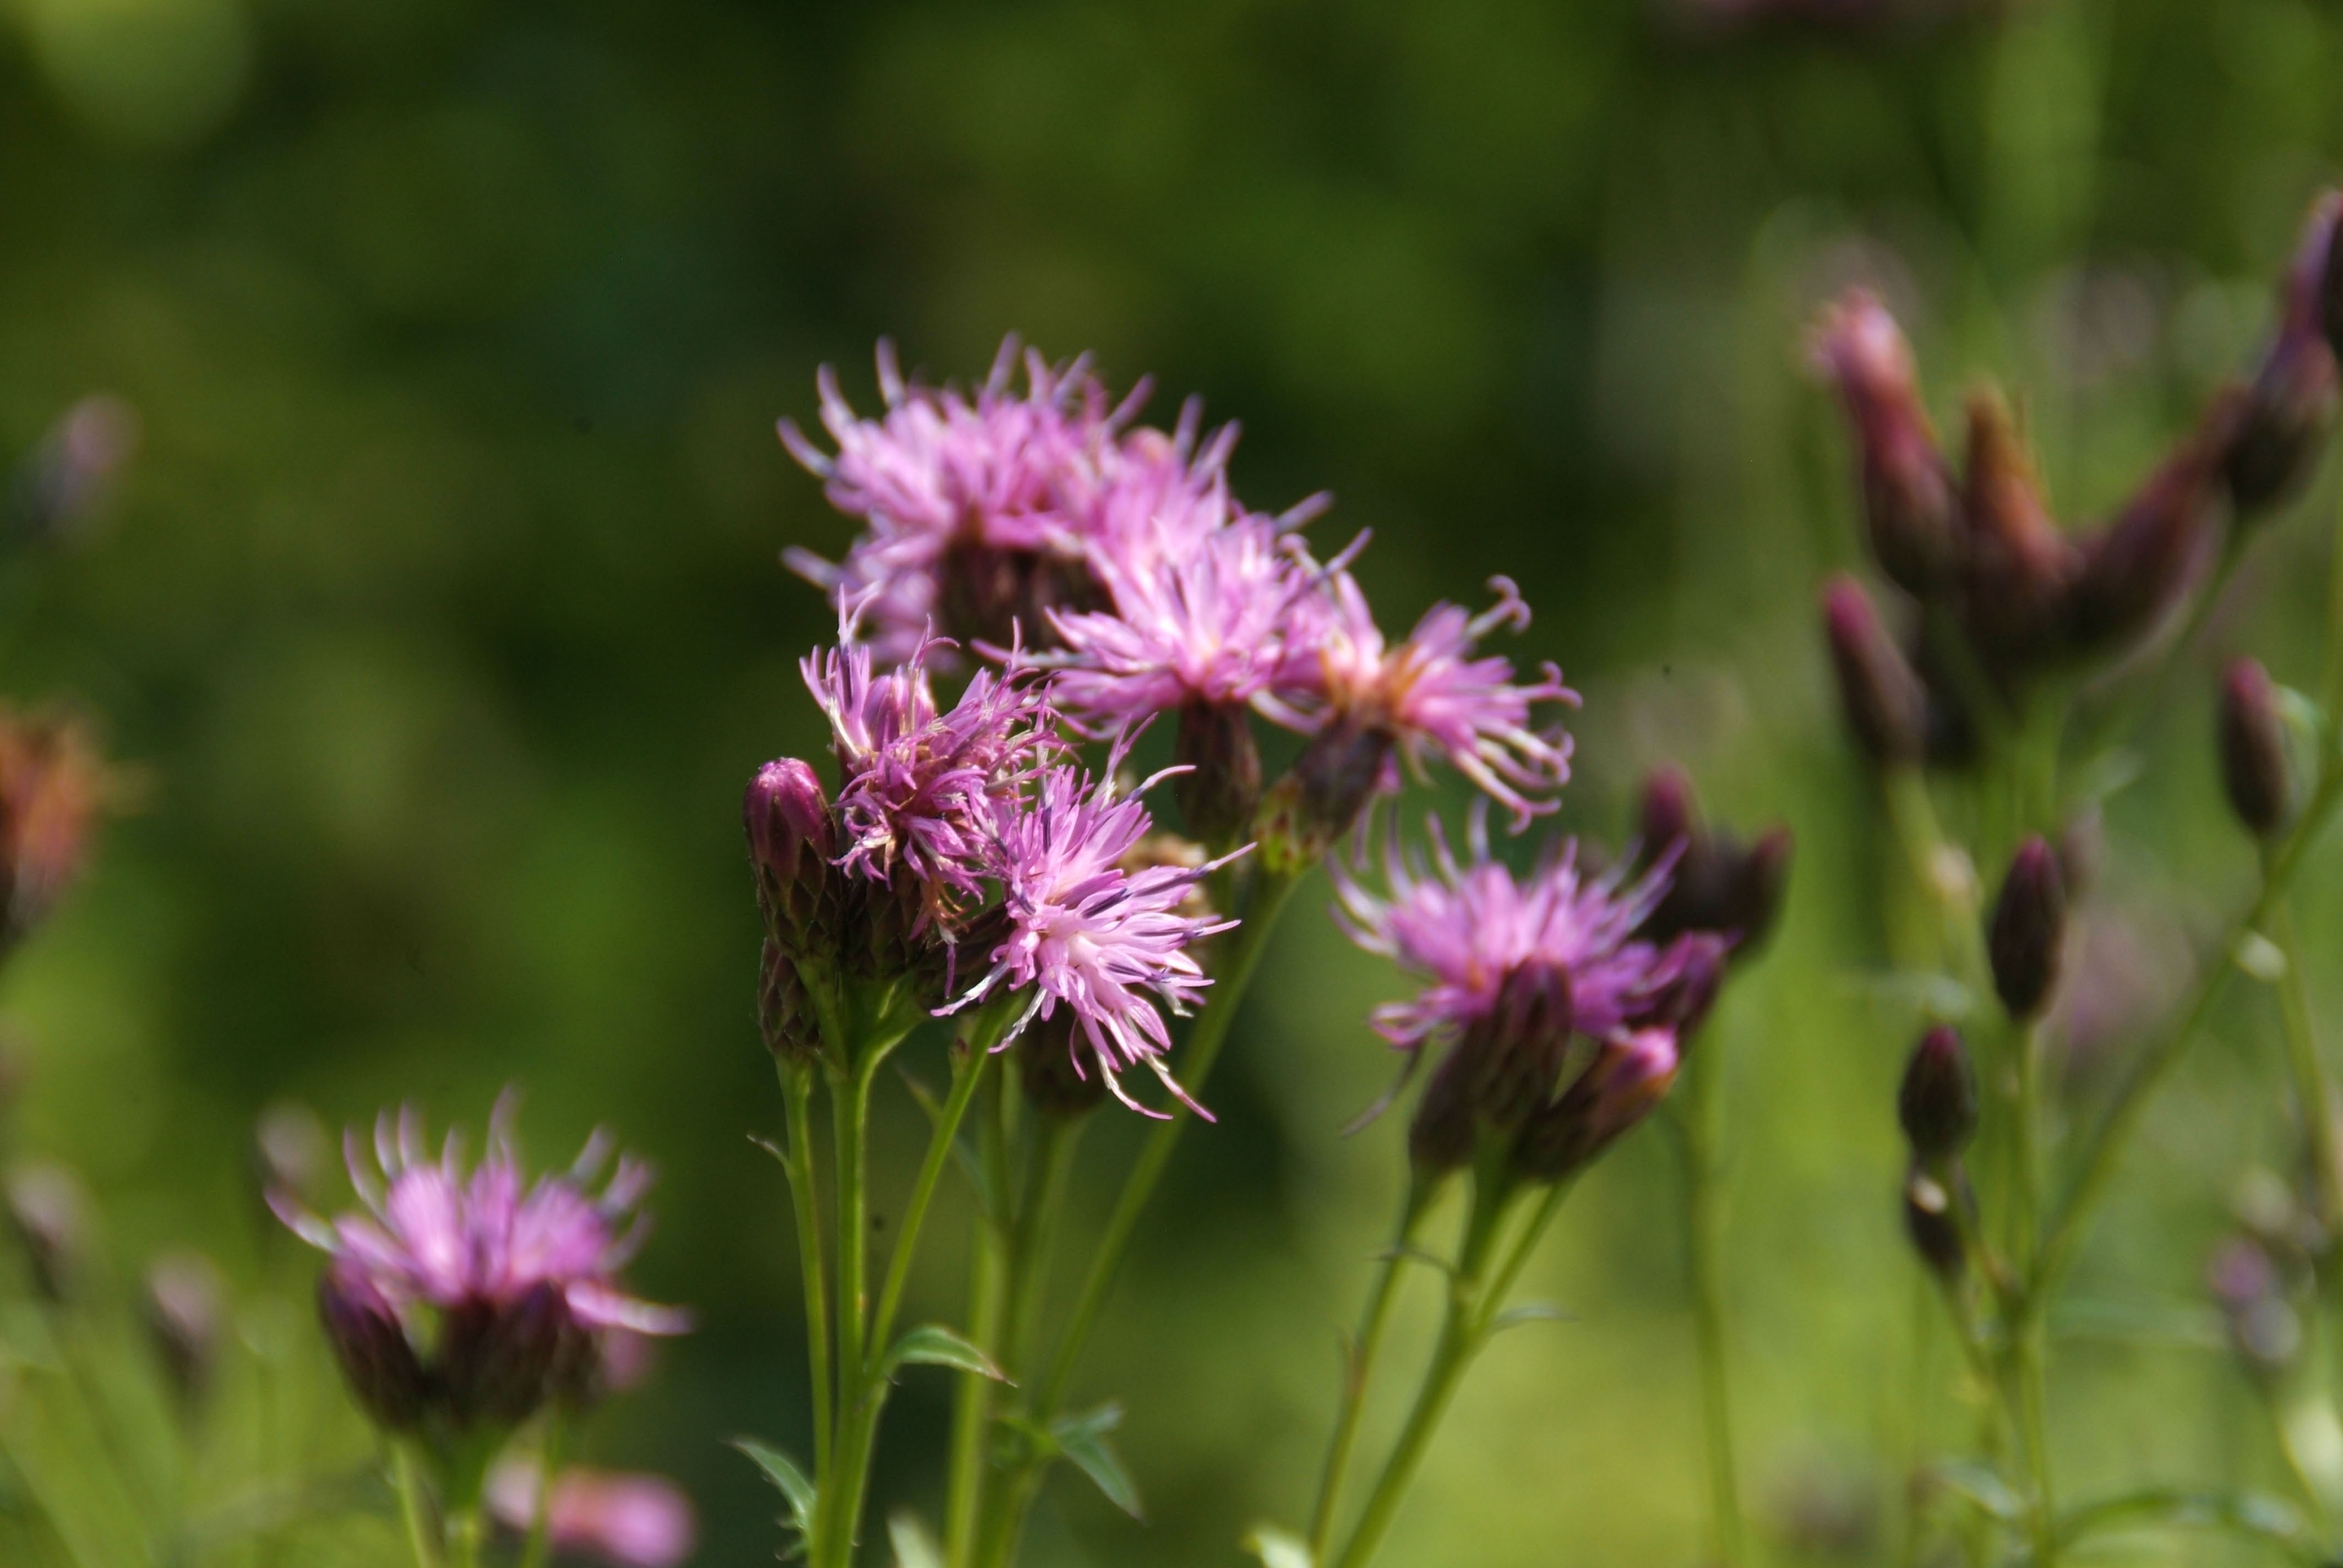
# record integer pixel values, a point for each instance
(2264, 1328)
(1306, 812)
(1908, 507)
(1055, 1081)
(787, 816)
(1666, 816)
(1714, 883)
(1886, 707)
(184, 1309)
(1759, 884)
(629, 1520)
(498, 1361)
(1695, 969)
(370, 1342)
(1627, 1078)
(784, 1011)
(2279, 424)
(2018, 567)
(291, 1152)
(2140, 564)
(1937, 1102)
(1221, 789)
(1930, 1222)
(65, 481)
(49, 1209)
(51, 785)
(2255, 769)
(1498, 1075)
(2028, 930)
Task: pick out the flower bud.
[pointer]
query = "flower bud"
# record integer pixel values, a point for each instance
(789, 845)
(2278, 424)
(1754, 895)
(1313, 806)
(1929, 1221)
(2018, 567)
(184, 1313)
(1666, 816)
(2029, 927)
(785, 1012)
(2318, 241)
(1628, 1077)
(1499, 1074)
(2255, 769)
(377, 1360)
(497, 1359)
(1221, 789)
(1886, 709)
(1695, 970)
(1937, 1102)
(1054, 1078)
(50, 1212)
(1908, 507)
(2142, 562)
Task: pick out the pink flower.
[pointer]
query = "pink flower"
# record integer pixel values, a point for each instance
(1430, 694)
(1087, 934)
(632, 1520)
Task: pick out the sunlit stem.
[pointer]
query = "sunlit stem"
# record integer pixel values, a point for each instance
(968, 1475)
(838, 1509)
(805, 1196)
(414, 1512)
(1358, 1369)
(2313, 1087)
(974, 1055)
(1697, 1125)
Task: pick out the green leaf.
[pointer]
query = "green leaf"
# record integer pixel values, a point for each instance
(2251, 1514)
(1976, 1484)
(783, 1473)
(1277, 1549)
(1083, 1439)
(962, 1155)
(914, 1547)
(1530, 1312)
(932, 1344)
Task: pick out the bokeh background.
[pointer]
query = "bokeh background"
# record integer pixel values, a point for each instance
(439, 620)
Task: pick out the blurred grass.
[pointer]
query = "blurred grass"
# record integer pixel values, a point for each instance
(441, 613)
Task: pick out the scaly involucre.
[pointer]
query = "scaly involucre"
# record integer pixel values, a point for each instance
(1087, 934)
(921, 787)
(433, 1235)
(1465, 927)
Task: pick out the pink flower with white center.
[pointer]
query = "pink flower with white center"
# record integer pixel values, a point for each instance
(1430, 693)
(1087, 934)
(921, 786)
(434, 1235)
(1467, 927)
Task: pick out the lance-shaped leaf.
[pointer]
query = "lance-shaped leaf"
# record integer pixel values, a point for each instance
(1083, 1439)
(932, 1344)
(783, 1473)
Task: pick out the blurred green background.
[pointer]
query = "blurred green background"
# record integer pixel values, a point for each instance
(439, 618)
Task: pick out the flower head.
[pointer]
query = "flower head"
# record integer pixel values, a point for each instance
(1089, 933)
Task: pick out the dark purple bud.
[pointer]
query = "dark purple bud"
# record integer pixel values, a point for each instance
(50, 1212)
(1886, 709)
(1667, 815)
(1761, 877)
(1318, 803)
(1695, 966)
(2018, 567)
(1937, 1103)
(498, 1361)
(2141, 565)
(185, 1313)
(2319, 261)
(1929, 1221)
(2028, 928)
(1498, 1075)
(1627, 1078)
(1909, 506)
(377, 1360)
(1221, 791)
(787, 816)
(2254, 764)
(1056, 1079)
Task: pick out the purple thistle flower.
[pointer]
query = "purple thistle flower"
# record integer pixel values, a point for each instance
(1430, 694)
(921, 786)
(1467, 927)
(1086, 933)
(434, 1236)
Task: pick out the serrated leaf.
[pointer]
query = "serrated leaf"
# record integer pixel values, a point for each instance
(914, 1547)
(932, 1344)
(1530, 1312)
(783, 1473)
(1976, 1484)
(1277, 1548)
(1083, 1439)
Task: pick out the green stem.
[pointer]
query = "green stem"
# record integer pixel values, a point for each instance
(967, 1477)
(976, 1055)
(541, 1519)
(412, 1512)
(1358, 1366)
(1703, 1240)
(2313, 1088)
(2330, 687)
(839, 1507)
(464, 1533)
(805, 1195)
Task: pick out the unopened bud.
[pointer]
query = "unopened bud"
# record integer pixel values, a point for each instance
(785, 1013)
(2138, 565)
(184, 1312)
(2028, 930)
(1500, 1075)
(1929, 1221)
(2255, 769)
(1937, 1102)
(1694, 965)
(1908, 509)
(371, 1342)
(2279, 422)
(1310, 810)
(498, 1361)
(1886, 707)
(2319, 257)
(50, 1212)
(1628, 1077)
(1056, 1080)
(2018, 566)
(787, 816)
(1760, 880)
(1222, 789)
(1666, 816)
